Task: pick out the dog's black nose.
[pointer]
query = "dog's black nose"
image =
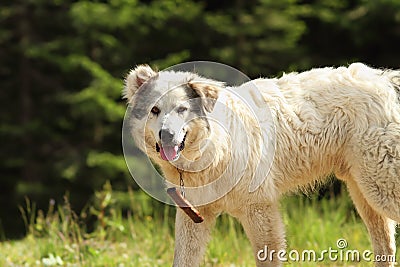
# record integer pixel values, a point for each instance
(166, 136)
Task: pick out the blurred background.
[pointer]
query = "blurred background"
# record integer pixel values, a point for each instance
(63, 62)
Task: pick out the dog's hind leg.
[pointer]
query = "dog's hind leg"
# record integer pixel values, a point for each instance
(264, 227)
(380, 228)
(378, 174)
(191, 238)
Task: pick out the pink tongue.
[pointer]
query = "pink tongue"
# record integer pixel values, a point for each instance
(169, 152)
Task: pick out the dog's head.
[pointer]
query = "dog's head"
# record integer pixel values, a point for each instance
(169, 111)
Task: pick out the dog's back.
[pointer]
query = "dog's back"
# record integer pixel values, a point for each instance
(325, 113)
(363, 94)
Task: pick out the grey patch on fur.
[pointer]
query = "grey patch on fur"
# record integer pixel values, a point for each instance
(196, 104)
(194, 101)
(145, 99)
(396, 84)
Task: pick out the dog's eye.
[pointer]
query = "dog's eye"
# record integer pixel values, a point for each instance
(182, 109)
(155, 110)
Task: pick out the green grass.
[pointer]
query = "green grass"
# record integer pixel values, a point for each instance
(135, 230)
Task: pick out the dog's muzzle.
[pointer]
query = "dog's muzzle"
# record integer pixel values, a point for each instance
(169, 149)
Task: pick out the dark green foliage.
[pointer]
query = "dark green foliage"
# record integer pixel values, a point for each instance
(63, 64)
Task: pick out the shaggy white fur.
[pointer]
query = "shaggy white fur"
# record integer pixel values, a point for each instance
(344, 121)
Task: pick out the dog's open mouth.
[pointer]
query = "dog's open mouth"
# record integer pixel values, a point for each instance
(171, 152)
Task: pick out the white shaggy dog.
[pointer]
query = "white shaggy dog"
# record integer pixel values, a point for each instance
(344, 121)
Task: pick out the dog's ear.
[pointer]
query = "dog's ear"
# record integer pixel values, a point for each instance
(208, 91)
(135, 79)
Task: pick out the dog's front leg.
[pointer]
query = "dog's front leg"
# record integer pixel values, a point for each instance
(264, 227)
(191, 238)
